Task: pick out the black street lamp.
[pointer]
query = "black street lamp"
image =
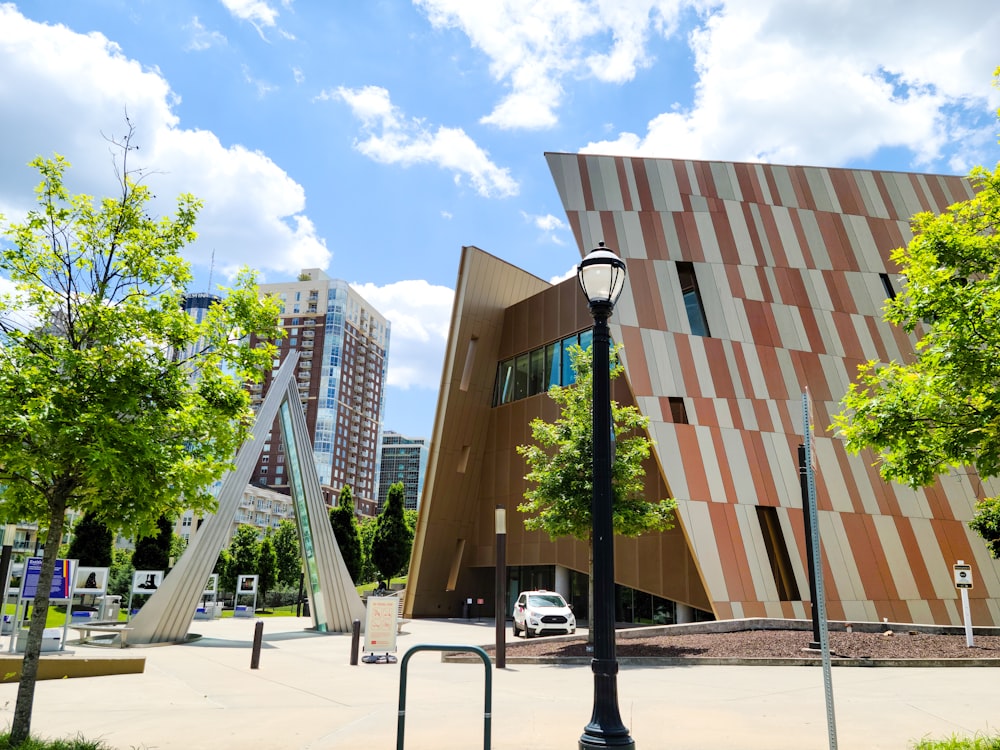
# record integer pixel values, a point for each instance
(602, 278)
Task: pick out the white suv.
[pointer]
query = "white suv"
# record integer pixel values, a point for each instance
(538, 612)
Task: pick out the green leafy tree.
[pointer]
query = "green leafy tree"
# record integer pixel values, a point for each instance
(286, 551)
(366, 536)
(941, 410)
(153, 552)
(243, 552)
(224, 569)
(120, 575)
(113, 399)
(178, 545)
(345, 530)
(392, 540)
(560, 466)
(92, 543)
(267, 568)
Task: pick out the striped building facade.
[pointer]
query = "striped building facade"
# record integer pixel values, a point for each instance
(747, 285)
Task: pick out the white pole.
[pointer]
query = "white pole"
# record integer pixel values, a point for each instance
(967, 617)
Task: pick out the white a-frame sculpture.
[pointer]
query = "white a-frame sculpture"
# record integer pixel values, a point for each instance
(334, 602)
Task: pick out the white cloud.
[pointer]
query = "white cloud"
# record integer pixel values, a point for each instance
(202, 38)
(394, 138)
(551, 225)
(825, 83)
(420, 316)
(533, 46)
(570, 273)
(257, 12)
(63, 90)
(263, 87)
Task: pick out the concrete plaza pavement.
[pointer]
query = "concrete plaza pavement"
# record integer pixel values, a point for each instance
(305, 694)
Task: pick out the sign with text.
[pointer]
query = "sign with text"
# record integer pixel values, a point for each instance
(62, 579)
(381, 623)
(963, 576)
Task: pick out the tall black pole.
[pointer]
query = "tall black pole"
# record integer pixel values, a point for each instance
(501, 589)
(804, 483)
(605, 728)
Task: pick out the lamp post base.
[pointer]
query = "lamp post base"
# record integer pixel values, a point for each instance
(588, 741)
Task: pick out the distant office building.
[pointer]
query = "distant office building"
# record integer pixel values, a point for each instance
(343, 346)
(260, 507)
(404, 459)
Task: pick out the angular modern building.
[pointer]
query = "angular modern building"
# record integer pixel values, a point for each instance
(404, 459)
(747, 284)
(343, 345)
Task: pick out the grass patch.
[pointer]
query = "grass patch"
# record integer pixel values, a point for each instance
(956, 742)
(32, 743)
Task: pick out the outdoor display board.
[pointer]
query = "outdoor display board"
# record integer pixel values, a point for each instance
(381, 623)
(91, 580)
(62, 579)
(146, 581)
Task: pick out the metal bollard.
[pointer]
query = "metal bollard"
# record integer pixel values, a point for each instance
(355, 640)
(258, 636)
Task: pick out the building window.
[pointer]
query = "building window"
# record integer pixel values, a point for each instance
(777, 553)
(890, 293)
(692, 299)
(678, 412)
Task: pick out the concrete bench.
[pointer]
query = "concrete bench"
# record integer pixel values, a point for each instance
(400, 620)
(85, 631)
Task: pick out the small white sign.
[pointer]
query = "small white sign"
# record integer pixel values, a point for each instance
(380, 623)
(963, 576)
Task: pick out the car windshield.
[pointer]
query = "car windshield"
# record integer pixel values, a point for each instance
(546, 600)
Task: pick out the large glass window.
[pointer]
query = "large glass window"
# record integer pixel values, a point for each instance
(505, 383)
(521, 377)
(568, 376)
(553, 356)
(692, 299)
(536, 372)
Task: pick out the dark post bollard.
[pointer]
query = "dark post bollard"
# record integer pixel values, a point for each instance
(258, 636)
(355, 640)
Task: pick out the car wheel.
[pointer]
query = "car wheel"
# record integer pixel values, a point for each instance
(527, 631)
(516, 631)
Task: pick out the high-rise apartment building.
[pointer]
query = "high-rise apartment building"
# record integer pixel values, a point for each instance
(404, 459)
(343, 346)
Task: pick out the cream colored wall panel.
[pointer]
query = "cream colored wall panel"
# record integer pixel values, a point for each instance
(912, 502)
(954, 612)
(865, 249)
(939, 569)
(795, 316)
(605, 189)
(692, 175)
(760, 172)
(671, 193)
(702, 367)
(786, 193)
(832, 479)
(753, 546)
(717, 299)
(747, 413)
(856, 611)
(732, 355)
(669, 453)
(706, 234)
(698, 525)
(568, 182)
(799, 609)
(814, 240)
(751, 284)
(788, 373)
(659, 360)
(739, 467)
(710, 461)
(902, 187)
(737, 610)
(773, 609)
(837, 548)
(673, 303)
(857, 465)
(741, 232)
(821, 187)
(870, 193)
(673, 242)
(650, 406)
(960, 494)
(630, 186)
(860, 294)
(920, 612)
(726, 185)
(784, 470)
(865, 339)
(789, 240)
(630, 233)
(895, 557)
(625, 313)
(754, 372)
(761, 232)
(723, 414)
(818, 294)
(740, 328)
(838, 379)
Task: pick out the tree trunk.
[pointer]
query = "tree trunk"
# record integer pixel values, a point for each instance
(21, 726)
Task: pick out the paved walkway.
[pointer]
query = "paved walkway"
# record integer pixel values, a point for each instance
(305, 694)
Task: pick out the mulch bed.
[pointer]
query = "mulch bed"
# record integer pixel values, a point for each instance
(779, 644)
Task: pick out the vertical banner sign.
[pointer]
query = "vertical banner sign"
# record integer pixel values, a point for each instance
(380, 623)
(820, 603)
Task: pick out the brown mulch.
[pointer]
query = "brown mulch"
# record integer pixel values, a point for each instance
(756, 644)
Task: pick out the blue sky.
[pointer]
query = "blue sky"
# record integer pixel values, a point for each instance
(374, 139)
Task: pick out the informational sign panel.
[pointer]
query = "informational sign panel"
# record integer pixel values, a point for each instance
(211, 585)
(380, 623)
(246, 585)
(963, 576)
(62, 579)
